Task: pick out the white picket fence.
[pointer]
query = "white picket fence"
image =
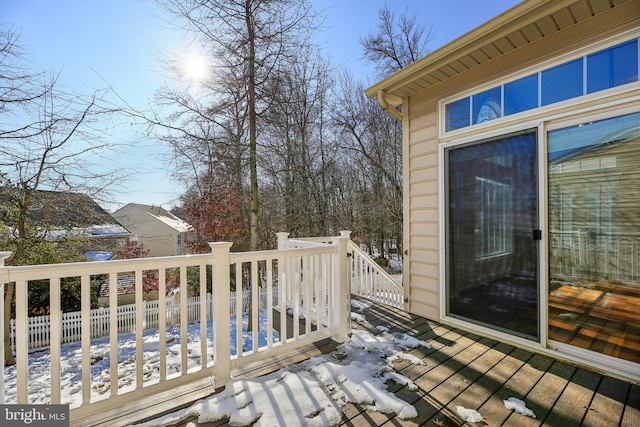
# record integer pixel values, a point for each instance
(39, 327)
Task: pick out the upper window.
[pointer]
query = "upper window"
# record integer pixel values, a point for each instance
(611, 67)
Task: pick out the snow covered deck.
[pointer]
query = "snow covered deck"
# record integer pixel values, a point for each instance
(455, 374)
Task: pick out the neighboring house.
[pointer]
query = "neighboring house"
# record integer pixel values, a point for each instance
(64, 214)
(127, 287)
(157, 229)
(521, 159)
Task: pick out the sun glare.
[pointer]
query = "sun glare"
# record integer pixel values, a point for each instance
(195, 66)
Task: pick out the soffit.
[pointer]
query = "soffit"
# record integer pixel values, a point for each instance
(519, 26)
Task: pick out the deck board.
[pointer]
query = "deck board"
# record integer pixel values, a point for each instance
(464, 369)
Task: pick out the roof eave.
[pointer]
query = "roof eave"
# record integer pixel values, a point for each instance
(513, 19)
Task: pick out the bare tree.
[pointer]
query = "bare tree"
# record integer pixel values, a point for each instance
(296, 153)
(49, 139)
(372, 140)
(396, 42)
(252, 36)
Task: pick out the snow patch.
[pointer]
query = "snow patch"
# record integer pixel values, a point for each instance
(313, 390)
(519, 406)
(469, 415)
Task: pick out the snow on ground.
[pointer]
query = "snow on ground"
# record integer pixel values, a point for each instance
(39, 376)
(312, 392)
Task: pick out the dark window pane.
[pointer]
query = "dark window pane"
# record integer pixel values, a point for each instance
(458, 114)
(521, 95)
(612, 67)
(562, 82)
(492, 259)
(487, 105)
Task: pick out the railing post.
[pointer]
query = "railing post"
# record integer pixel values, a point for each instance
(222, 315)
(342, 300)
(282, 239)
(282, 285)
(3, 255)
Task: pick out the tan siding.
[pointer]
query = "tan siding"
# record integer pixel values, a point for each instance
(425, 188)
(426, 120)
(424, 269)
(423, 161)
(424, 174)
(425, 133)
(424, 242)
(423, 149)
(423, 201)
(430, 312)
(423, 207)
(426, 296)
(423, 215)
(429, 256)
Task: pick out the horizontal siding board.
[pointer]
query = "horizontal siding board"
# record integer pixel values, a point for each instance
(424, 188)
(423, 215)
(424, 242)
(424, 149)
(425, 255)
(425, 228)
(422, 162)
(424, 135)
(424, 269)
(424, 174)
(423, 202)
(425, 310)
(425, 295)
(422, 121)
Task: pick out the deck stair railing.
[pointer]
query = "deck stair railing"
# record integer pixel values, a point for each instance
(312, 284)
(368, 279)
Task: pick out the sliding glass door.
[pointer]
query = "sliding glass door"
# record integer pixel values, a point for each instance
(594, 236)
(492, 234)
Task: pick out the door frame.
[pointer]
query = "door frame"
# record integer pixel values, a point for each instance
(539, 128)
(612, 103)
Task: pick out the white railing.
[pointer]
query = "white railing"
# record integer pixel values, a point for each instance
(39, 327)
(611, 256)
(312, 285)
(371, 281)
(368, 279)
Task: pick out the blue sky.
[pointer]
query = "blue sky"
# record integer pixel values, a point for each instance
(95, 43)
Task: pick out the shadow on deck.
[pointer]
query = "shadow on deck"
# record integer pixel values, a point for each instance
(461, 369)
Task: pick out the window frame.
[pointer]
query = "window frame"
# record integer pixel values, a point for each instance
(542, 111)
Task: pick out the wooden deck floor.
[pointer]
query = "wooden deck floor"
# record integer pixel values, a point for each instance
(464, 369)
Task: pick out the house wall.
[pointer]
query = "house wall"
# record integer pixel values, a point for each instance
(422, 137)
(157, 237)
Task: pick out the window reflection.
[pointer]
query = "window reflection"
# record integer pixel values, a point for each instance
(458, 114)
(487, 105)
(521, 95)
(594, 236)
(562, 82)
(612, 67)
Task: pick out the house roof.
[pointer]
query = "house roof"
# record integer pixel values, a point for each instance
(523, 24)
(66, 210)
(163, 216)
